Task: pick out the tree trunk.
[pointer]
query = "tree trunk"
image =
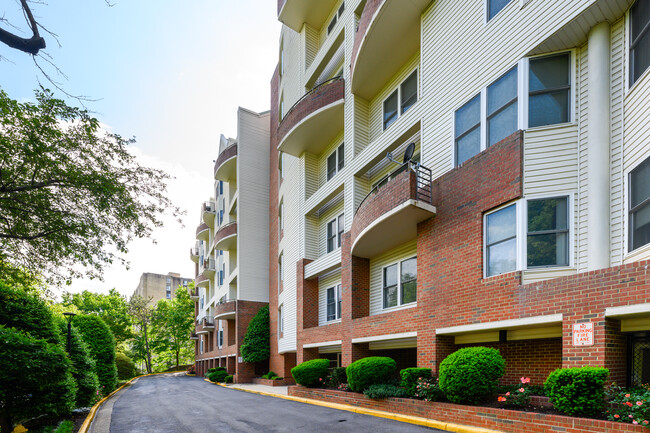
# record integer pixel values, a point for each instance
(146, 345)
(177, 356)
(6, 425)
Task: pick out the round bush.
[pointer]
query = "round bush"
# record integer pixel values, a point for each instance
(218, 376)
(125, 367)
(309, 373)
(370, 371)
(577, 391)
(99, 339)
(471, 374)
(228, 379)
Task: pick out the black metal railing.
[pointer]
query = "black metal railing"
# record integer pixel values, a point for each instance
(224, 300)
(422, 182)
(313, 89)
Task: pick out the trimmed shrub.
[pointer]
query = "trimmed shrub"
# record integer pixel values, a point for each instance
(577, 391)
(410, 378)
(217, 376)
(428, 390)
(26, 312)
(99, 339)
(380, 391)
(212, 370)
(228, 379)
(125, 367)
(310, 373)
(83, 365)
(471, 374)
(256, 346)
(370, 371)
(270, 375)
(338, 376)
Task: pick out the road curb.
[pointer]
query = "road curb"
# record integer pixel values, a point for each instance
(93, 410)
(426, 422)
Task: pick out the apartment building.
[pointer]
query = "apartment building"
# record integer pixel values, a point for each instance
(232, 248)
(522, 219)
(159, 286)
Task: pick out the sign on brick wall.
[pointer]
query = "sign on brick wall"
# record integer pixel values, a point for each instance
(583, 334)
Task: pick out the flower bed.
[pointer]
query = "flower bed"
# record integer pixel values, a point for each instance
(511, 421)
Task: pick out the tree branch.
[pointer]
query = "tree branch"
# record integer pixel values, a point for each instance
(31, 45)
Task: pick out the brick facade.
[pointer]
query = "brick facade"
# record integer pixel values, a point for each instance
(364, 23)
(228, 152)
(225, 231)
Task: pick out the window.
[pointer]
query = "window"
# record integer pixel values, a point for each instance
(549, 90)
(639, 39)
(281, 108)
(336, 161)
(334, 303)
(201, 348)
(400, 283)
(406, 95)
(502, 107)
(280, 271)
(281, 219)
(501, 241)
(337, 15)
(280, 320)
(495, 6)
(335, 229)
(547, 242)
(639, 200)
(168, 291)
(467, 126)
(281, 61)
(220, 335)
(280, 168)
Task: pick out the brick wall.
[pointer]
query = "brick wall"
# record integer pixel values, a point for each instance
(364, 22)
(224, 156)
(246, 310)
(225, 231)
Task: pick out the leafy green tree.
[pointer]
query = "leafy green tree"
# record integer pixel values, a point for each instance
(23, 310)
(72, 196)
(101, 345)
(141, 311)
(256, 346)
(125, 366)
(113, 308)
(172, 323)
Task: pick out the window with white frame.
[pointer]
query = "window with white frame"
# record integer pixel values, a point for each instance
(400, 283)
(280, 271)
(281, 320)
(281, 108)
(201, 345)
(501, 241)
(547, 239)
(335, 229)
(333, 303)
(639, 39)
(494, 7)
(639, 206)
(403, 98)
(281, 219)
(502, 107)
(549, 90)
(467, 127)
(336, 161)
(335, 19)
(220, 335)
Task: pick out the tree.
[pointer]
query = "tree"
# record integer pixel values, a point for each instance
(142, 312)
(101, 345)
(71, 195)
(172, 323)
(256, 346)
(112, 308)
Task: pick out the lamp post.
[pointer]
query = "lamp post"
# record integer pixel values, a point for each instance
(69, 317)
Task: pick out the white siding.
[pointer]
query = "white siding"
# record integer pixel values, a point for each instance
(376, 275)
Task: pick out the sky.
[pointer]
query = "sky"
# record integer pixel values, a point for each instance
(169, 73)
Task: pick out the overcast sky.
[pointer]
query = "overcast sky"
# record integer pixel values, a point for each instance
(170, 73)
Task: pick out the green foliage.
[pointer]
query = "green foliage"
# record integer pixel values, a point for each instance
(71, 192)
(228, 379)
(338, 376)
(471, 374)
(25, 311)
(212, 370)
(369, 371)
(577, 391)
(518, 397)
(171, 323)
(256, 346)
(428, 389)
(380, 391)
(310, 373)
(410, 378)
(218, 376)
(141, 312)
(270, 375)
(35, 378)
(63, 427)
(83, 365)
(125, 367)
(101, 346)
(629, 405)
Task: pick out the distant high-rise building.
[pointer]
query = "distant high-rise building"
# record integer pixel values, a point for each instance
(159, 286)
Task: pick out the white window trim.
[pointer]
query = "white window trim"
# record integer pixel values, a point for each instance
(399, 98)
(281, 321)
(399, 305)
(627, 69)
(486, 10)
(220, 335)
(336, 154)
(337, 294)
(335, 220)
(641, 252)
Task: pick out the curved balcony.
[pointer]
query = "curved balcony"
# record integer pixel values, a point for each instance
(226, 237)
(194, 336)
(208, 213)
(194, 294)
(387, 37)
(293, 13)
(226, 309)
(225, 168)
(209, 268)
(202, 232)
(388, 216)
(314, 121)
(202, 281)
(194, 254)
(207, 324)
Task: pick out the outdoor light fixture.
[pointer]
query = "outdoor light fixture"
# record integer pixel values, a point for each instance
(69, 316)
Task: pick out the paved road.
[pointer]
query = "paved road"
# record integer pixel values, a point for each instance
(179, 404)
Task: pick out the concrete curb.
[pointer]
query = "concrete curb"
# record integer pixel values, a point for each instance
(93, 410)
(426, 422)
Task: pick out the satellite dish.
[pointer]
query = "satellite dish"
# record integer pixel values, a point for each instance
(408, 154)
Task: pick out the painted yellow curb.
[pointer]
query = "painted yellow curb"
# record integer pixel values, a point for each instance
(426, 422)
(91, 415)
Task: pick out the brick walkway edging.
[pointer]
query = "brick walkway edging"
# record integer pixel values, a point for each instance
(509, 421)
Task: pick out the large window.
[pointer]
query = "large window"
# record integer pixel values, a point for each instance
(334, 303)
(494, 7)
(501, 241)
(335, 229)
(549, 88)
(502, 107)
(639, 39)
(639, 205)
(400, 283)
(403, 98)
(467, 126)
(336, 161)
(548, 232)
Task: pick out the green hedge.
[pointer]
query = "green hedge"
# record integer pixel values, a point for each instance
(213, 369)
(471, 374)
(380, 391)
(26, 312)
(370, 371)
(228, 379)
(218, 376)
(256, 346)
(410, 378)
(99, 339)
(338, 376)
(310, 373)
(577, 391)
(125, 367)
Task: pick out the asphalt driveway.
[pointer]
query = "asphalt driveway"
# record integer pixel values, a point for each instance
(179, 404)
